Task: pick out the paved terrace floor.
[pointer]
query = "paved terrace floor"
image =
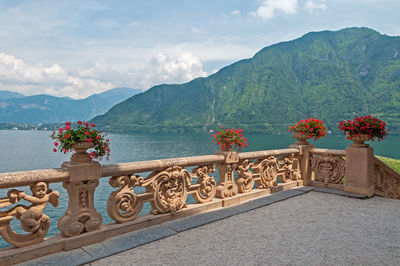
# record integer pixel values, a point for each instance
(302, 228)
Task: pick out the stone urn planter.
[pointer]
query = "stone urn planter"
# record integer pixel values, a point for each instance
(301, 138)
(80, 155)
(225, 148)
(358, 141)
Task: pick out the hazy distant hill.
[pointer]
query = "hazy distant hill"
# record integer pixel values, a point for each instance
(331, 75)
(47, 109)
(10, 94)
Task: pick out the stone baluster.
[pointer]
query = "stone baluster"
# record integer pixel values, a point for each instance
(359, 169)
(226, 185)
(304, 160)
(81, 215)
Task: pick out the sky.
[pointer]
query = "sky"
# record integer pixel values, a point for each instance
(78, 48)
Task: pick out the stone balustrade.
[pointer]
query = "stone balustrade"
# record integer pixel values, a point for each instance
(214, 181)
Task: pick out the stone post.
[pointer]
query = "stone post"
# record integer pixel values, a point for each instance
(359, 170)
(226, 185)
(81, 215)
(304, 161)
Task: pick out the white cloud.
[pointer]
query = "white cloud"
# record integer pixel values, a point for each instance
(164, 69)
(29, 79)
(133, 24)
(311, 6)
(235, 12)
(271, 8)
(196, 30)
(16, 75)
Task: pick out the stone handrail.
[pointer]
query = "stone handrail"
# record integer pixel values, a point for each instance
(25, 178)
(146, 166)
(387, 181)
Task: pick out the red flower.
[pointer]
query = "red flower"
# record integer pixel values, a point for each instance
(92, 125)
(56, 143)
(67, 127)
(54, 149)
(79, 122)
(60, 130)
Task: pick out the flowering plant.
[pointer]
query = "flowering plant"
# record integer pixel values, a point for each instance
(82, 132)
(364, 125)
(228, 137)
(314, 128)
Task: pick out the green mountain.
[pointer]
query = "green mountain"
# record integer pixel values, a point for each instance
(330, 75)
(46, 109)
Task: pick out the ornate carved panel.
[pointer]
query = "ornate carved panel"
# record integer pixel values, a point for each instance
(387, 181)
(268, 171)
(207, 186)
(32, 218)
(289, 170)
(328, 168)
(124, 205)
(169, 188)
(245, 180)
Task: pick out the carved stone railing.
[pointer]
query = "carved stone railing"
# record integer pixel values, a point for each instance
(165, 184)
(219, 180)
(328, 168)
(169, 183)
(387, 181)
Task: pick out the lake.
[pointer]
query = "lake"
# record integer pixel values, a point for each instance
(29, 150)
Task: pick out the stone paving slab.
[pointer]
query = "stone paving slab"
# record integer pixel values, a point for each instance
(137, 238)
(340, 192)
(97, 251)
(67, 258)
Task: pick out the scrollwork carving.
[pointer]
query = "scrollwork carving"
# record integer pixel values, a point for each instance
(207, 186)
(245, 181)
(124, 205)
(32, 218)
(290, 169)
(328, 168)
(170, 189)
(268, 170)
(387, 181)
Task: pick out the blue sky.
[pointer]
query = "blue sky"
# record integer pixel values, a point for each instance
(77, 48)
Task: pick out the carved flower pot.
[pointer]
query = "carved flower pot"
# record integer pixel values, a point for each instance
(358, 141)
(80, 155)
(301, 137)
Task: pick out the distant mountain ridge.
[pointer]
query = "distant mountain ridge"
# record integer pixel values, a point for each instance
(10, 94)
(46, 109)
(331, 75)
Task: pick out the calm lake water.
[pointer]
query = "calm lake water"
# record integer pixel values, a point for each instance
(28, 150)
